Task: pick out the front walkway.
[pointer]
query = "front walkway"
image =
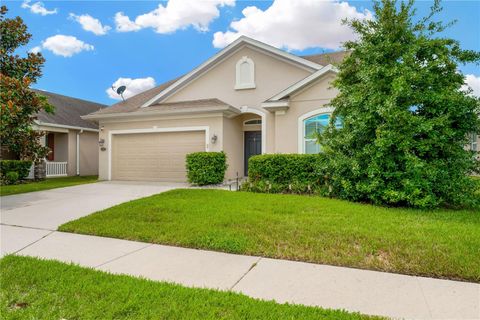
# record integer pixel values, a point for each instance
(29, 221)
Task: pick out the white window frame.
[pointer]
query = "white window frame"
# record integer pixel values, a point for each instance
(245, 123)
(238, 83)
(474, 142)
(301, 125)
(206, 129)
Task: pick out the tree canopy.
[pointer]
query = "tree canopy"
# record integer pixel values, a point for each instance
(19, 104)
(406, 118)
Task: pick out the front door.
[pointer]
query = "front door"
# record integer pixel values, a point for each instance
(253, 146)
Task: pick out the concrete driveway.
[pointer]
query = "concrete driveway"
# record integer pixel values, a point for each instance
(49, 209)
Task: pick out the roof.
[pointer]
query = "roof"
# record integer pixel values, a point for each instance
(190, 107)
(148, 97)
(68, 111)
(333, 58)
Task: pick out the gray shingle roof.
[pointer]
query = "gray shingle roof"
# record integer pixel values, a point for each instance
(68, 110)
(334, 58)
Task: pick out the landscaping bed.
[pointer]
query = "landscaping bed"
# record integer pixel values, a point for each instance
(438, 243)
(39, 289)
(50, 183)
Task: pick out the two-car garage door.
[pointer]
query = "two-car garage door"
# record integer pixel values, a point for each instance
(156, 156)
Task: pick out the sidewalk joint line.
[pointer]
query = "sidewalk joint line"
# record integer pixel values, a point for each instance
(25, 227)
(30, 244)
(417, 279)
(123, 255)
(243, 276)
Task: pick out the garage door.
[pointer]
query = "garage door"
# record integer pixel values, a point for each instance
(154, 156)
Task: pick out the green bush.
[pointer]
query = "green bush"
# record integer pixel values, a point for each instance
(205, 168)
(286, 173)
(11, 177)
(21, 167)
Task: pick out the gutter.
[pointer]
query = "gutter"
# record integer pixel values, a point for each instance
(62, 126)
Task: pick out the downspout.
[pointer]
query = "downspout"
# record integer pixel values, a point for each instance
(78, 151)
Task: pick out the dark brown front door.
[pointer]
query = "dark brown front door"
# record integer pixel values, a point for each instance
(253, 146)
(51, 145)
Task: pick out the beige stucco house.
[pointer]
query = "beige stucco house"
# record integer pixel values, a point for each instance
(249, 98)
(73, 141)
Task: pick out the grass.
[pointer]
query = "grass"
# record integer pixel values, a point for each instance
(39, 289)
(439, 243)
(50, 183)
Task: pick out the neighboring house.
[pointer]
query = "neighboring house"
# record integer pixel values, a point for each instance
(249, 98)
(73, 141)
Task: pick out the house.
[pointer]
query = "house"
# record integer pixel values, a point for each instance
(249, 98)
(72, 140)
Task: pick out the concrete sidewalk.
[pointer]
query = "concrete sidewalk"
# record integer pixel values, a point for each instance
(368, 292)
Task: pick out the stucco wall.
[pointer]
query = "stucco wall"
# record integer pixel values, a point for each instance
(214, 122)
(233, 146)
(271, 76)
(312, 98)
(89, 153)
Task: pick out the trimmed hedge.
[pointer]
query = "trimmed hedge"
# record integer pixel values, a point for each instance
(205, 168)
(21, 167)
(287, 173)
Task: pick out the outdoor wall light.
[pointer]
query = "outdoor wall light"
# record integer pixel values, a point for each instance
(101, 142)
(214, 139)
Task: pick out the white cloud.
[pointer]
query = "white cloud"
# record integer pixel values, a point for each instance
(175, 15)
(66, 46)
(473, 82)
(37, 8)
(295, 24)
(36, 49)
(134, 86)
(91, 24)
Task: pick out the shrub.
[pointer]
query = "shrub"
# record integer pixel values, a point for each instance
(21, 167)
(205, 168)
(286, 173)
(11, 177)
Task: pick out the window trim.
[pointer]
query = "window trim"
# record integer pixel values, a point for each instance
(301, 128)
(245, 123)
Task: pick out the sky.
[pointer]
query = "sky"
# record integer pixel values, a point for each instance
(91, 45)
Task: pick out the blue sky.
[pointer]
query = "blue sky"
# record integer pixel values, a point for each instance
(151, 42)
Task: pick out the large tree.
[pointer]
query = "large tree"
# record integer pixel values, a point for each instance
(406, 118)
(19, 104)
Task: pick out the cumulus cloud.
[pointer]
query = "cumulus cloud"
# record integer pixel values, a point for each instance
(36, 49)
(91, 24)
(473, 82)
(65, 46)
(295, 24)
(37, 8)
(175, 15)
(134, 86)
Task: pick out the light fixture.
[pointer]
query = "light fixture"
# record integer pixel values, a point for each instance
(101, 142)
(214, 139)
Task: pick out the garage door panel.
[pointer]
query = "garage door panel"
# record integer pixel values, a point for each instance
(154, 156)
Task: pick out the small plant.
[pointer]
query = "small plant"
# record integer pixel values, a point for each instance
(21, 167)
(11, 177)
(204, 168)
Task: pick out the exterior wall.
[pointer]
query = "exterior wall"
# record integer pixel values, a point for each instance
(311, 98)
(60, 150)
(88, 153)
(214, 122)
(271, 76)
(233, 146)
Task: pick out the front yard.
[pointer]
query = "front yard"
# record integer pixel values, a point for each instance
(36, 289)
(439, 243)
(50, 183)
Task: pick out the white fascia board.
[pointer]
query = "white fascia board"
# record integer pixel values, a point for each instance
(275, 105)
(62, 126)
(302, 83)
(225, 51)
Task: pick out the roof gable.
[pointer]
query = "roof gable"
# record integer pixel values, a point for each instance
(227, 51)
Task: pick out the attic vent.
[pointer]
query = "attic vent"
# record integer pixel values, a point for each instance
(245, 74)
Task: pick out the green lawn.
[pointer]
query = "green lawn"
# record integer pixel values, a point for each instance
(50, 183)
(36, 289)
(440, 243)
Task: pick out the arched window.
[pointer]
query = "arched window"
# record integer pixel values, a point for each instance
(252, 122)
(312, 126)
(245, 74)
